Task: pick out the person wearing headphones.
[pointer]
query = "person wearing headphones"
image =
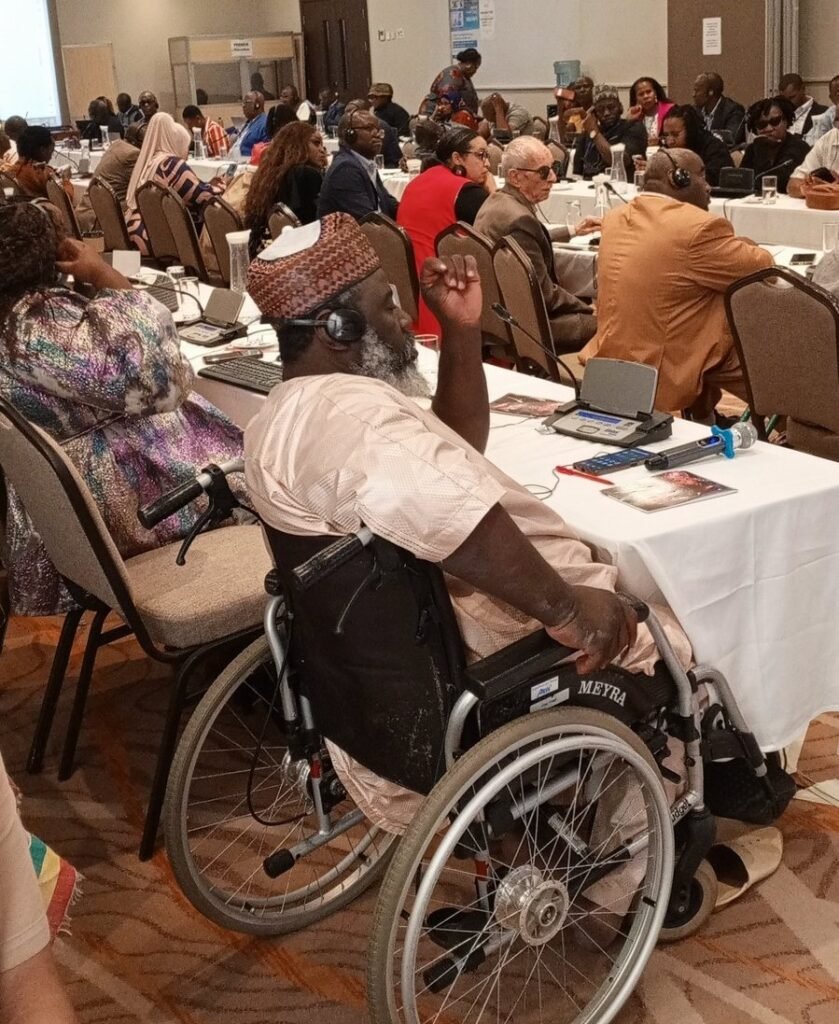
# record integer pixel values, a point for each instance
(342, 443)
(352, 184)
(664, 266)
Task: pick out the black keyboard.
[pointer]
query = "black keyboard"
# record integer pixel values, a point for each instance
(250, 373)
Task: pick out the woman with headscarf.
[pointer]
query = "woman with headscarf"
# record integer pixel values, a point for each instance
(163, 160)
(106, 379)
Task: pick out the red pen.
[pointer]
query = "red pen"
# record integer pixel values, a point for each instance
(569, 471)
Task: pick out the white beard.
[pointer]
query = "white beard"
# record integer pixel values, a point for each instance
(383, 363)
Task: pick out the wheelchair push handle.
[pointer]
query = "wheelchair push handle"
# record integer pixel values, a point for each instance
(325, 562)
(171, 502)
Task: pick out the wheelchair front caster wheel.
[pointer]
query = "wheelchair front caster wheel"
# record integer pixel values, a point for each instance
(699, 904)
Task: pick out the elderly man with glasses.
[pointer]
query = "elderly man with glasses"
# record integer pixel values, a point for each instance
(511, 212)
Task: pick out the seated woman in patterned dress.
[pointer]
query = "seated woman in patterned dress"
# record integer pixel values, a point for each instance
(163, 160)
(106, 378)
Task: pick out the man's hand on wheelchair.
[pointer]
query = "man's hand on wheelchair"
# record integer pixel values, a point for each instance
(602, 627)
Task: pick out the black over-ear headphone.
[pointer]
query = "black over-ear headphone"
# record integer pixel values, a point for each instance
(346, 325)
(679, 177)
(351, 133)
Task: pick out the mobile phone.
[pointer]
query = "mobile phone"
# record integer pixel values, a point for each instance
(611, 462)
(802, 258)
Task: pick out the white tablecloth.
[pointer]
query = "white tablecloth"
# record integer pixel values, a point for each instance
(751, 576)
(64, 157)
(787, 222)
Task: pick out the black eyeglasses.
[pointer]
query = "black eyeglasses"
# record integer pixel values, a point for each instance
(543, 172)
(769, 122)
(481, 154)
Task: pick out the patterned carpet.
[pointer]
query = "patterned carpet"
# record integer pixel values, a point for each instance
(138, 952)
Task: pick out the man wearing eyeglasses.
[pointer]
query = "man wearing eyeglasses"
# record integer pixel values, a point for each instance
(512, 212)
(352, 184)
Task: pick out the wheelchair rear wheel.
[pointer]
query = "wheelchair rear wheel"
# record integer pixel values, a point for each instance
(532, 884)
(235, 797)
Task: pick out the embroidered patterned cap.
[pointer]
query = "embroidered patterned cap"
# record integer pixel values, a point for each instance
(305, 267)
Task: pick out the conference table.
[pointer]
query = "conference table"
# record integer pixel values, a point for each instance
(750, 575)
(785, 222)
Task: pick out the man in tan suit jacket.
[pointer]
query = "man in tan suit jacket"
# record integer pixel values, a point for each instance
(664, 266)
(511, 213)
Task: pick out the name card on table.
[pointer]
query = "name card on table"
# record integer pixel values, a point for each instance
(241, 48)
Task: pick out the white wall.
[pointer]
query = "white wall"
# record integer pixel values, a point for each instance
(140, 30)
(617, 40)
(819, 32)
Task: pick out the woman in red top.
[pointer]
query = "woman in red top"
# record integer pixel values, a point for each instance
(451, 190)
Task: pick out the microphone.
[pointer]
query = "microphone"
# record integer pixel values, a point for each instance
(721, 442)
(504, 314)
(152, 286)
(611, 188)
(771, 170)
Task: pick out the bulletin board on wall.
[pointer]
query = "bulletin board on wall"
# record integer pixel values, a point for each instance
(726, 36)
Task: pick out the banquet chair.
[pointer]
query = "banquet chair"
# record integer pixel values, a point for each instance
(561, 156)
(463, 240)
(179, 615)
(61, 201)
(409, 150)
(540, 128)
(786, 332)
(109, 215)
(183, 231)
(7, 181)
(219, 219)
(494, 152)
(281, 217)
(523, 298)
(396, 255)
(161, 242)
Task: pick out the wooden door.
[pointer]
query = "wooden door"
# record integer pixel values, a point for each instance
(337, 47)
(89, 72)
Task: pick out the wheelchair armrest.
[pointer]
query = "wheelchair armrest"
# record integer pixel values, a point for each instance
(507, 669)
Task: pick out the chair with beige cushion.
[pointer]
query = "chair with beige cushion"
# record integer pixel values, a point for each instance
(161, 242)
(281, 217)
(109, 215)
(786, 331)
(463, 240)
(396, 255)
(521, 295)
(183, 231)
(540, 128)
(494, 153)
(8, 181)
(560, 156)
(61, 201)
(179, 614)
(219, 219)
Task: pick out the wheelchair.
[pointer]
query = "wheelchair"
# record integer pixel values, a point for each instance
(545, 859)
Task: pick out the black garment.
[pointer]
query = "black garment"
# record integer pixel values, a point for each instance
(391, 150)
(715, 156)
(632, 134)
(348, 188)
(761, 156)
(394, 115)
(729, 116)
(299, 191)
(469, 200)
(93, 132)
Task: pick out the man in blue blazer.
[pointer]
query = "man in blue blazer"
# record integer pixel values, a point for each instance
(352, 183)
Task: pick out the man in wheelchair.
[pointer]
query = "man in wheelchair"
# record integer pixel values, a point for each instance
(462, 709)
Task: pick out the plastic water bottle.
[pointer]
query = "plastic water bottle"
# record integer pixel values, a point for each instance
(103, 135)
(618, 175)
(84, 157)
(198, 148)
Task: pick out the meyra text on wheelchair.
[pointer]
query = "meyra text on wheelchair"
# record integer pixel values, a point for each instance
(565, 820)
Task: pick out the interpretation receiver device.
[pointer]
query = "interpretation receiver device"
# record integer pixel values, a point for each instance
(615, 406)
